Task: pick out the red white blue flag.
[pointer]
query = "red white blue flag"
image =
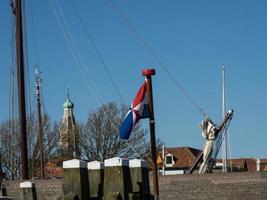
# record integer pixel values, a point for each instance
(138, 110)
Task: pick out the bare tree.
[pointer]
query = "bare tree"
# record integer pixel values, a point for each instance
(9, 143)
(50, 139)
(99, 137)
(10, 150)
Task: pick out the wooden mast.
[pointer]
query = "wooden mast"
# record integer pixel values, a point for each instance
(21, 92)
(40, 126)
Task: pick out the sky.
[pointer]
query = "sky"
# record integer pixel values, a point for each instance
(192, 38)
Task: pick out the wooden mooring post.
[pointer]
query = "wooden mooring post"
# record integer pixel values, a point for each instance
(117, 183)
(28, 191)
(96, 179)
(139, 179)
(75, 180)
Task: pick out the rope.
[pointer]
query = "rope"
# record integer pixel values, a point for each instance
(11, 71)
(153, 54)
(90, 38)
(27, 71)
(70, 41)
(74, 49)
(36, 51)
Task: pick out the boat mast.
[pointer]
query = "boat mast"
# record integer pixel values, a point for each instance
(40, 126)
(21, 92)
(224, 147)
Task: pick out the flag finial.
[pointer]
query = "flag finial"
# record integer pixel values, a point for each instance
(148, 72)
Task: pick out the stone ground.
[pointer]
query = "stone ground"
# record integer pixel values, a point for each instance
(209, 186)
(214, 186)
(45, 189)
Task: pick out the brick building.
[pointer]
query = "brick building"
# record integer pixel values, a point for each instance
(176, 160)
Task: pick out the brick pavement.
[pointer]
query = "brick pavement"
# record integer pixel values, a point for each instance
(181, 187)
(214, 186)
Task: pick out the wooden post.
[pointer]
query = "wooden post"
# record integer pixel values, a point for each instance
(117, 179)
(75, 180)
(96, 179)
(21, 93)
(148, 73)
(140, 179)
(28, 191)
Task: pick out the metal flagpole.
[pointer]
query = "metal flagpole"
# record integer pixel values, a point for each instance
(148, 73)
(224, 149)
(163, 160)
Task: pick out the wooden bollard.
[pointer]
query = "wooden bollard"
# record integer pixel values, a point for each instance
(75, 180)
(117, 179)
(140, 179)
(96, 179)
(3, 190)
(28, 191)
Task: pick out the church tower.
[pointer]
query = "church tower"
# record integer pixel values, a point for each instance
(68, 134)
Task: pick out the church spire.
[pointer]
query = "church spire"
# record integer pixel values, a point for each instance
(68, 88)
(68, 103)
(68, 138)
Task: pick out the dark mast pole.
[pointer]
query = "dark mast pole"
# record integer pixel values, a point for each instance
(148, 73)
(21, 92)
(40, 126)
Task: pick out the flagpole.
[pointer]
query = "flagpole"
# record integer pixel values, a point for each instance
(148, 73)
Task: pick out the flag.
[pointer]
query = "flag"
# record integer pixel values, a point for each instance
(138, 110)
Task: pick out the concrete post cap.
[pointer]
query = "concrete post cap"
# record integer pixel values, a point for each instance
(95, 165)
(116, 161)
(75, 163)
(27, 184)
(137, 163)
